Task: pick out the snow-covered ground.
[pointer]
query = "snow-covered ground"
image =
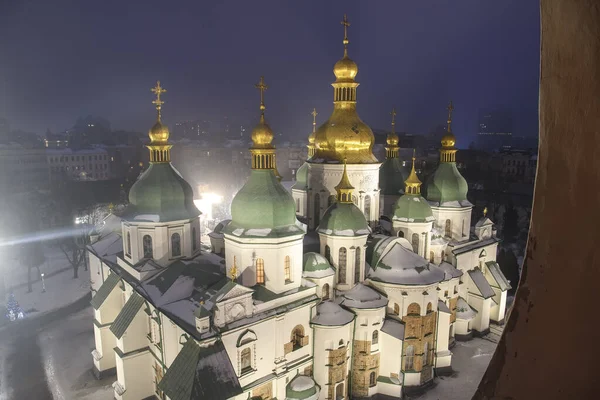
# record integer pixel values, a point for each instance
(470, 360)
(67, 361)
(61, 288)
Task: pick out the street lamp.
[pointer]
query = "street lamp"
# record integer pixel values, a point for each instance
(43, 283)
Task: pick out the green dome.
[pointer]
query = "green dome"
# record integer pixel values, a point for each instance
(412, 208)
(302, 387)
(301, 178)
(343, 219)
(391, 177)
(159, 195)
(263, 208)
(447, 187)
(316, 266)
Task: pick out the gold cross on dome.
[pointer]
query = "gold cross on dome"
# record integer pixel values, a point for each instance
(314, 114)
(450, 109)
(393, 114)
(158, 90)
(262, 87)
(346, 24)
(485, 211)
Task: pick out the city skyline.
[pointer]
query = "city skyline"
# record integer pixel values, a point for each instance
(468, 56)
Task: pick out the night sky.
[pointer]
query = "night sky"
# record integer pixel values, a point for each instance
(67, 58)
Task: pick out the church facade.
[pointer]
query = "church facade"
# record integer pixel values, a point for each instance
(366, 315)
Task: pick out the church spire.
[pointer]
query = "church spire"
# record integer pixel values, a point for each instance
(344, 188)
(263, 152)
(311, 138)
(160, 148)
(413, 183)
(391, 151)
(448, 152)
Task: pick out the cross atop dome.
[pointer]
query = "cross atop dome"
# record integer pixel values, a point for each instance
(158, 90)
(262, 87)
(450, 108)
(346, 24)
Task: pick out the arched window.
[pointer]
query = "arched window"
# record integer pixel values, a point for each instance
(288, 269)
(396, 309)
(448, 228)
(372, 379)
(342, 265)
(325, 292)
(246, 360)
(431, 256)
(297, 337)
(413, 309)
(415, 242)
(175, 245)
(297, 205)
(339, 391)
(426, 354)
(443, 255)
(341, 343)
(317, 210)
(368, 207)
(147, 242)
(400, 234)
(357, 266)
(409, 358)
(128, 243)
(260, 271)
(429, 308)
(375, 337)
(194, 239)
(328, 253)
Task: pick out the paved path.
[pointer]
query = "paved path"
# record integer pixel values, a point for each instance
(22, 374)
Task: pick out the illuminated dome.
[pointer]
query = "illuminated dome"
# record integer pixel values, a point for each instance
(392, 140)
(448, 140)
(345, 69)
(159, 133)
(262, 135)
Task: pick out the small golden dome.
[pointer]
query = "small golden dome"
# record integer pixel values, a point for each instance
(262, 135)
(159, 133)
(345, 69)
(448, 140)
(392, 139)
(311, 138)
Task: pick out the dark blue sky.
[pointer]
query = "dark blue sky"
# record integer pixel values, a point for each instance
(67, 58)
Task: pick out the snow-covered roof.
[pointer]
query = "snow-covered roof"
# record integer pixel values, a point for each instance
(401, 266)
(331, 314)
(108, 247)
(475, 245)
(498, 276)
(316, 266)
(221, 225)
(393, 327)
(302, 387)
(362, 297)
(463, 310)
(451, 204)
(450, 270)
(482, 284)
(442, 307)
(485, 221)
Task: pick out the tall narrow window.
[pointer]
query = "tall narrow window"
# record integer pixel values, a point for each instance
(357, 266)
(298, 336)
(400, 234)
(431, 256)
(325, 292)
(128, 243)
(375, 337)
(415, 242)
(396, 309)
(448, 231)
(194, 239)
(372, 379)
(328, 253)
(260, 271)
(342, 265)
(287, 269)
(463, 228)
(426, 354)
(246, 360)
(147, 242)
(176, 245)
(317, 210)
(368, 208)
(409, 358)
(297, 205)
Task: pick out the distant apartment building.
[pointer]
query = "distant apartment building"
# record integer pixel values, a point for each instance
(22, 170)
(495, 129)
(519, 165)
(84, 164)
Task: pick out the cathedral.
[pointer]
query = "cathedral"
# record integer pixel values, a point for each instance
(364, 316)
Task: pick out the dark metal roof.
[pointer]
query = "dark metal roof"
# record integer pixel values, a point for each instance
(482, 284)
(104, 290)
(498, 276)
(200, 373)
(127, 314)
(475, 245)
(393, 328)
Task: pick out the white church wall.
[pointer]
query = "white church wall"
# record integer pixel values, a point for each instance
(350, 243)
(422, 229)
(476, 257)
(135, 375)
(134, 337)
(300, 197)
(329, 338)
(390, 360)
(321, 282)
(481, 322)
(105, 343)
(460, 221)
(442, 341)
(111, 307)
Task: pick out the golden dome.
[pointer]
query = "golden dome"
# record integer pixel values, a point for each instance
(345, 69)
(392, 139)
(159, 133)
(448, 140)
(262, 135)
(311, 138)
